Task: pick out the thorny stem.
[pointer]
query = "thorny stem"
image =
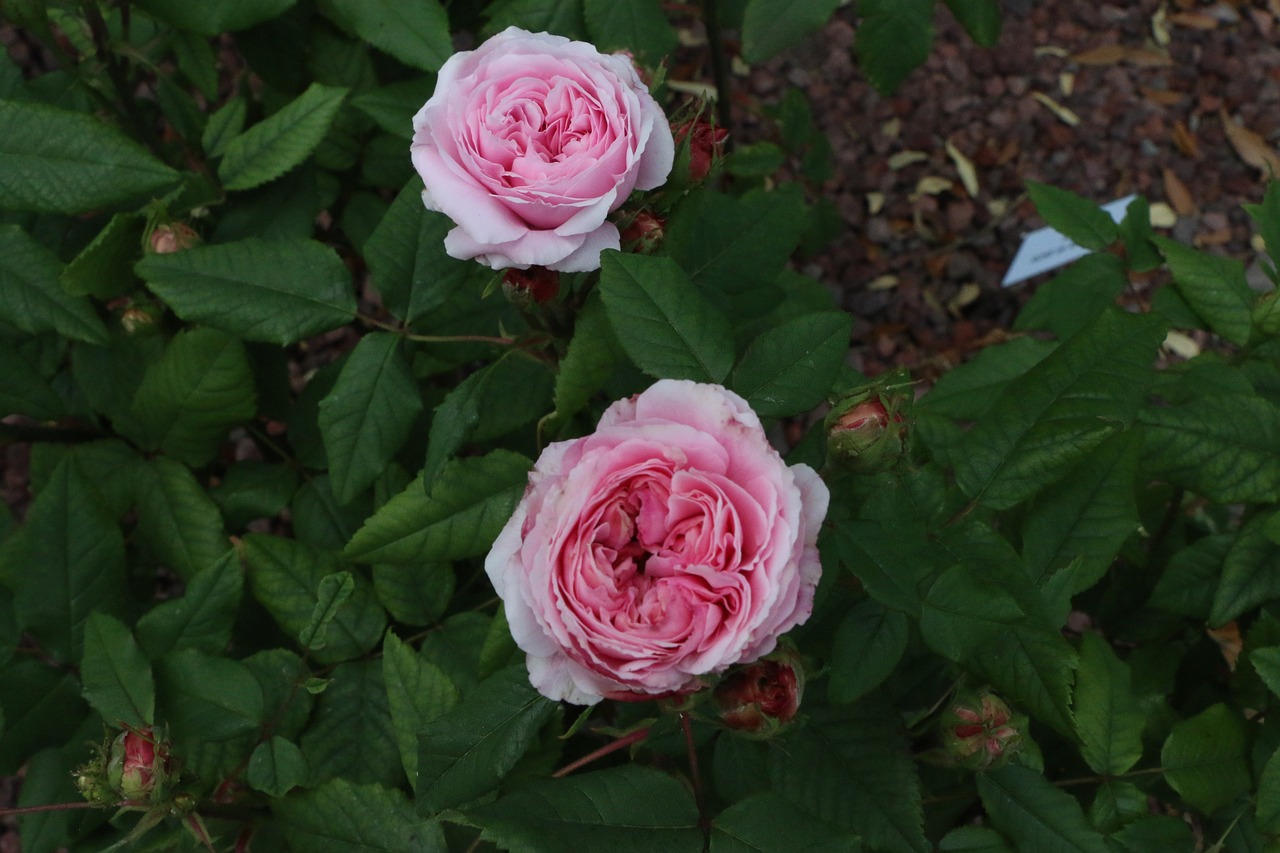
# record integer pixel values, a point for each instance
(695, 775)
(621, 743)
(719, 65)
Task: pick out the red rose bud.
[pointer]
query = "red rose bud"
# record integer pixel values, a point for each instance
(706, 145)
(534, 285)
(865, 432)
(979, 730)
(644, 233)
(138, 766)
(759, 698)
(174, 237)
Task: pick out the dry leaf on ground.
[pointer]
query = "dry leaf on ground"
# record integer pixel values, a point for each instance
(1251, 147)
(1178, 194)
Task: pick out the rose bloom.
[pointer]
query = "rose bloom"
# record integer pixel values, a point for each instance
(529, 142)
(667, 545)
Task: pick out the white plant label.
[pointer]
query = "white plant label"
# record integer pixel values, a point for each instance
(1046, 249)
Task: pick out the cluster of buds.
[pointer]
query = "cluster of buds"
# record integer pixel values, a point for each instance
(979, 730)
(536, 285)
(760, 698)
(866, 432)
(173, 237)
(134, 768)
(706, 145)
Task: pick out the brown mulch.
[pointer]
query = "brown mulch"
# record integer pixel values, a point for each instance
(922, 275)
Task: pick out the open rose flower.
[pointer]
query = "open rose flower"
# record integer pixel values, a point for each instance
(529, 142)
(666, 546)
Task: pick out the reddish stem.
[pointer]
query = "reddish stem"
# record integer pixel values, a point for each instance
(694, 775)
(51, 807)
(621, 743)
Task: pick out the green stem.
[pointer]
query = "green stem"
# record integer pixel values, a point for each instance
(434, 339)
(621, 743)
(54, 807)
(719, 66)
(128, 104)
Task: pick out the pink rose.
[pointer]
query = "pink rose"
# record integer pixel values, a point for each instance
(666, 546)
(529, 142)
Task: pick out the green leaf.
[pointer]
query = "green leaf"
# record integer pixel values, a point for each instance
(968, 391)
(177, 518)
(367, 416)
(213, 18)
(771, 26)
(623, 810)
(393, 107)
(671, 330)
(104, 268)
(416, 34)
(1136, 232)
(57, 161)
(331, 594)
(116, 674)
(224, 125)
(1060, 410)
(1213, 286)
(980, 19)
(414, 593)
(562, 17)
(1023, 805)
(202, 617)
(339, 817)
(200, 388)
(868, 645)
(276, 767)
(1228, 458)
(466, 752)
(418, 692)
(1249, 573)
(286, 576)
(1267, 218)
(1268, 807)
(41, 708)
(31, 293)
(963, 611)
(894, 38)
(591, 358)
(23, 391)
(277, 291)
(1033, 667)
(1266, 660)
(1156, 832)
(1204, 759)
(640, 26)
(275, 145)
(351, 734)
(467, 506)
(207, 698)
(792, 366)
(72, 559)
(1190, 578)
(973, 839)
(1075, 297)
(766, 823)
(1109, 719)
(1078, 219)
(251, 489)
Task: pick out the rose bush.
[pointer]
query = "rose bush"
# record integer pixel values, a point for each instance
(667, 545)
(529, 142)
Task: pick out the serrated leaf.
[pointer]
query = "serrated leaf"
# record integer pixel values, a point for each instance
(210, 19)
(767, 823)
(283, 140)
(592, 356)
(1048, 419)
(466, 752)
(894, 38)
(418, 692)
(771, 26)
(202, 617)
(1190, 578)
(177, 519)
(31, 293)
(1075, 297)
(1266, 662)
(1109, 718)
(332, 592)
(277, 291)
(1027, 808)
(980, 19)
(224, 125)
(671, 330)
(23, 391)
(467, 506)
(1204, 759)
(1267, 218)
(1033, 667)
(417, 35)
(285, 575)
(104, 268)
(72, 556)
(637, 25)
(367, 416)
(42, 707)
(1136, 232)
(562, 17)
(624, 810)
(792, 366)
(351, 734)
(963, 611)
(1213, 286)
(1155, 832)
(57, 161)
(868, 645)
(1249, 573)
(207, 698)
(973, 839)
(116, 674)
(1079, 219)
(341, 817)
(393, 107)
(414, 593)
(276, 767)
(200, 388)
(1268, 807)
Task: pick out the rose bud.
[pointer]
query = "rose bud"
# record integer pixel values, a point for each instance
(979, 730)
(535, 285)
(174, 237)
(644, 233)
(91, 780)
(759, 698)
(138, 767)
(865, 432)
(706, 145)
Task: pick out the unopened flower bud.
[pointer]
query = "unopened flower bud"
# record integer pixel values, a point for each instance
(174, 237)
(979, 730)
(138, 766)
(535, 285)
(91, 780)
(759, 698)
(865, 432)
(706, 145)
(644, 233)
